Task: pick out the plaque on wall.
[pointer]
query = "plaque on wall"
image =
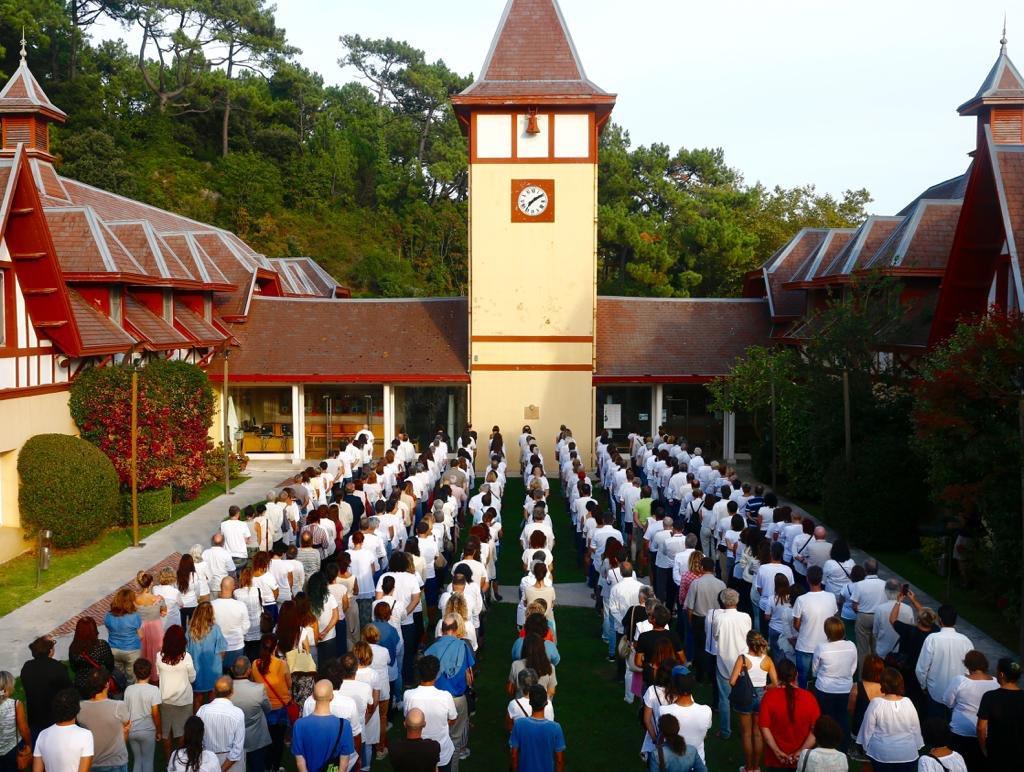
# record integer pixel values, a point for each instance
(531, 413)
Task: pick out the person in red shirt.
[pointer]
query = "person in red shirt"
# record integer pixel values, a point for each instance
(786, 720)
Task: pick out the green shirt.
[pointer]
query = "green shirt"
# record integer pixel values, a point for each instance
(643, 511)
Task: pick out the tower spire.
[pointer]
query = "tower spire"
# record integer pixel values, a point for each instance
(1002, 40)
(23, 52)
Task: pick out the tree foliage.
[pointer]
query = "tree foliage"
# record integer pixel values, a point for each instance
(966, 419)
(211, 116)
(175, 412)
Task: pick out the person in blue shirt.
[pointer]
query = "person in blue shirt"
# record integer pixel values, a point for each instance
(537, 744)
(456, 660)
(321, 739)
(672, 754)
(537, 623)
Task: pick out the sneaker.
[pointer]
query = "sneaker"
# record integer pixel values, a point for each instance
(610, 659)
(464, 754)
(382, 754)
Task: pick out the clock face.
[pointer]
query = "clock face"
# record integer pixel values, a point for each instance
(533, 201)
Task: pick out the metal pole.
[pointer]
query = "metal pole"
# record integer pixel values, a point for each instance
(775, 453)
(227, 428)
(846, 416)
(1020, 429)
(135, 456)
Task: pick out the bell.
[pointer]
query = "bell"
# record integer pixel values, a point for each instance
(532, 126)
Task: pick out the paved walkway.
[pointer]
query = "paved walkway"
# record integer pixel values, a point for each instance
(982, 641)
(89, 592)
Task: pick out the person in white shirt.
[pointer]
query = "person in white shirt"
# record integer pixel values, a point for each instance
(624, 595)
(764, 582)
(224, 725)
(64, 746)
(218, 560)
(866, 595)
(942, 660)
(232, 617)
(809, 614)
(438, 707)
(963, 697)
(729, 630)
(192, 756)
(236, 537)
(885, 635)
(833, 665)
(891, 730)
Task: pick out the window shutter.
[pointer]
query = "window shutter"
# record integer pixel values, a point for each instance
(1007, 126)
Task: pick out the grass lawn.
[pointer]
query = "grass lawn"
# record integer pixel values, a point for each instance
(18, 576)
(601, 730)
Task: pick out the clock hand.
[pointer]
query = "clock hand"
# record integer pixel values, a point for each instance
(533, 200)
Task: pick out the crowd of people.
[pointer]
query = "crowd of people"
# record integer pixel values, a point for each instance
(356, 598)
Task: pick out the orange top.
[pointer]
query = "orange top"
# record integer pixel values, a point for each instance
(275, 681)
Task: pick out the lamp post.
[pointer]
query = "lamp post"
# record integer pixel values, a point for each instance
(135, 455)
(227, 427)
(329, 400)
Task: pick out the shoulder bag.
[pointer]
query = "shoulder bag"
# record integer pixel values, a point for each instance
(291, 708)
(332, 761)
(742, 695)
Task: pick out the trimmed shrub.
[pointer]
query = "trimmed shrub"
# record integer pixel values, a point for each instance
(67, 486)
(154, 506)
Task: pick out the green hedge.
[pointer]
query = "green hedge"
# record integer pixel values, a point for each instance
(67, 486)
(154, 506)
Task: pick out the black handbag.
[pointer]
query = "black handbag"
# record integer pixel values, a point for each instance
(742, 695)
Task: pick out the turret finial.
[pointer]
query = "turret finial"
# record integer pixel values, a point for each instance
(23, 52)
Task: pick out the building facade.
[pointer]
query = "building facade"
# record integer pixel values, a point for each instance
(89, 278)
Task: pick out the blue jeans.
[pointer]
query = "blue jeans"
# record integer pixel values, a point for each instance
(608, 630)
(803, 667)
(724, 708)
(116, 768)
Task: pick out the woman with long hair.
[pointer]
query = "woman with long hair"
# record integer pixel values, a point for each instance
(207, 646)
(681, 705)
(339, 591)
(166, 586)
(367, 674)
(191, 756)
(151, 611)
(671, 753)
(271, 671)
(457, 605)
(124, 631)
(779, 615)
(265, 583)
(295, 644)
(787, 719)
(761, 670)
(88, 652)
(535, 657)
(868, 688)
(347, 580)
(964, 696)
(833, 664)
(176, 673)
(193, 587)
(325, 609)
(13, 723)
(891, 731)
(380, 662)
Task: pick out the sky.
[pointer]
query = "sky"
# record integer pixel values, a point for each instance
(834, 93)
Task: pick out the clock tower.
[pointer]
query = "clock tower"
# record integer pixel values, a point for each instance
(533, 119)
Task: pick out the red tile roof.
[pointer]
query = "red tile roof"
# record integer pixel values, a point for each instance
(652, 337)
(532, 55)
(869, 237)
(783, 265)
(922, 241)
(83, 247)
(200, 331)
(23, 94)
(1003, 85)
(153, 329)
(822, 255)
(100, 334)
(293, 339)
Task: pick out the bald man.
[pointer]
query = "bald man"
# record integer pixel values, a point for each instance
(819, 550)
(232, 617)
(414, 752)
(321, 737)
(225, 727)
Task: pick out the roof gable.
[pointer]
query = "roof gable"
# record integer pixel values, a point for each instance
(533, 55)
(1002, 85)
(23, 94)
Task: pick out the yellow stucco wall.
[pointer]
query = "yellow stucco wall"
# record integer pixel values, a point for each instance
(533, 280)
(563, 398)
(21, 419)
